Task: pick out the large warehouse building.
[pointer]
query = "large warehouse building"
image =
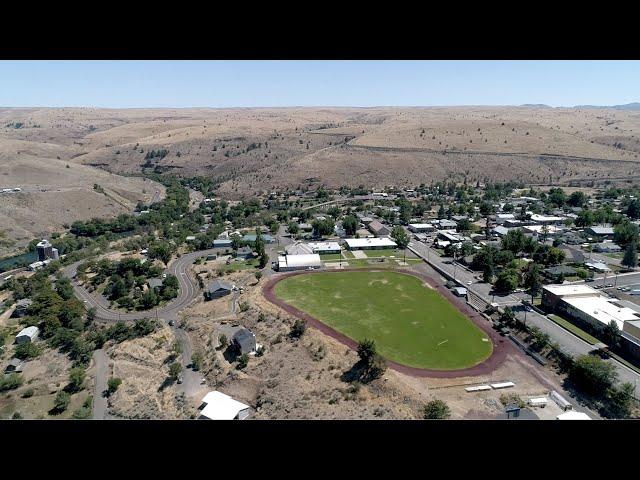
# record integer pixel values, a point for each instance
(588, 309)
(289, 263)
(369, 243)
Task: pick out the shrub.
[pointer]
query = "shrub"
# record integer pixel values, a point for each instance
(436, 410)
(113, 384)
(298, 328)
(10, 382)
(243, 361)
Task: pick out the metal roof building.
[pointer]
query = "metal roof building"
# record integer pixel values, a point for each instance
(369, 243)
(222, 407)
(288, 263)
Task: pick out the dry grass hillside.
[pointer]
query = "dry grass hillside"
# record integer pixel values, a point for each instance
(55, 190)
(253, 150)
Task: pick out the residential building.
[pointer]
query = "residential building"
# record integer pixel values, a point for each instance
(14, 366)
(22, 307)
(600, 231)
(244, 341)
(222, 243)
(421, 227)
(378, 229)
(217, 289)
(245, 253)
(154, 283)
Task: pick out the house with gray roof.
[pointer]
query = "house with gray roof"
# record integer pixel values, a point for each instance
(244, 341)
(14, 366)
(154, 283)
(217, 289)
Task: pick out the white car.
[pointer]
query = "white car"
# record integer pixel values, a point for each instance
(470, 282)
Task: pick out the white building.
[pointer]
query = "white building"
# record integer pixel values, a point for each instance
(219, 406)
(573, 416)
(27, 335)
(300, 248)
(369, 243)
(288, 263)
(547, 219)
(421, 227)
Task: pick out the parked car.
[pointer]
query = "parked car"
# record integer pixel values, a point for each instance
(609, 285)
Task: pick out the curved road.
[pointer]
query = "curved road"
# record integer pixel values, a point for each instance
(188, 290)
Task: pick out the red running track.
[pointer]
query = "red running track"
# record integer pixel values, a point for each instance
(501, 348)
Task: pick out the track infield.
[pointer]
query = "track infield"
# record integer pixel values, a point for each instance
(413, 325)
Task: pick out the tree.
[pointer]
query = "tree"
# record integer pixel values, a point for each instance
(625, 233)
(91, 314)
(243, 361)
(258, 276)
(366, 350)
(113, 384)
(488, 272)
(334, 212)
(161, 251)
(27, 350)
(620, 400)
(441, 212)
(174, 370)
(298, 328)
(149, 299)
(633, 209)
(322, 228)
(373, 365)
(592, 374)
(513, 241)
(76, 379)
(400, 236)
(350, 225)
(222, 340)
(486, 210)
(196, 360)
(507, 281)
(630, 259)
(611, 334)
(294, 228)
(532, 279)
(61, 401)
(436, 410)
(577, 199)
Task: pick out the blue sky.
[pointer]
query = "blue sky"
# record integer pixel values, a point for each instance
(120, 84)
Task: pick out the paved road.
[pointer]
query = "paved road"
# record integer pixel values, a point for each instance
(102, 367)
(188, 290)
(571, 343)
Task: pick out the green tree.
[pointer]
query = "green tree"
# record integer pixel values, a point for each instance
(400, 236)
(222, 340)
(366, 350)
(61, 402)
(174, 370)
(293, 228)
(160, 250)
(10, 382)
(592, 374)
(532, 280)
(27, 350)
(196, 360)
(625, 233)
(350, 225)
(258, 276)
(436, 410)
(513, 241)
(633, 209)
(630, 259)
(611, 334)
(243, 361)
(507, 281)
(76, 379)
(620, 400)
(113, 384)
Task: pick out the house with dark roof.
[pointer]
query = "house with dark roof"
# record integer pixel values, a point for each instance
(14, 366)
(557, 272)
(245, 253)
(244, 341)
(217, 289)
(22, 307)
(378, 229)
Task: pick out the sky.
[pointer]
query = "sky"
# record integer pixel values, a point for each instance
(221, 84)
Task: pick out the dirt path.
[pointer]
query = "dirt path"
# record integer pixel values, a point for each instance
(501, 348)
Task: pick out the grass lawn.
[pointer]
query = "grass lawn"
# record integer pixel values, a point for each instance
(567, 325)
(241, 265)
(348, 254)
(410, 323)
(384, 252)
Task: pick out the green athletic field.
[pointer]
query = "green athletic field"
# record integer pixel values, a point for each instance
(410, 323)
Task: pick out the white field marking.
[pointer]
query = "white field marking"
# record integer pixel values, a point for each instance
(443, 342)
